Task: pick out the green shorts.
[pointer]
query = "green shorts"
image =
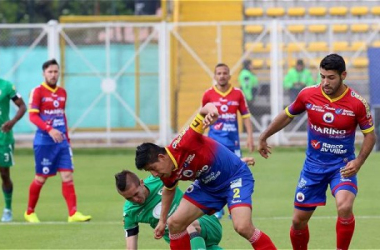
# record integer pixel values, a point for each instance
(211, 231)
(6, 155)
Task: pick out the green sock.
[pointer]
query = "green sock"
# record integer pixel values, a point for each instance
(197, 242)
(8, 198)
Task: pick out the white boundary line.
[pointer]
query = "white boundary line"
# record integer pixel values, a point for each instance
(363, 217)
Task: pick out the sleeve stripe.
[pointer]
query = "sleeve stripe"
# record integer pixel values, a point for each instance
(288, 113)
(197, 123)
(368, 130)
(246, 115)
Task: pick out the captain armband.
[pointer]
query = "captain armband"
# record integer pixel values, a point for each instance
(197, 124)
(131, 232)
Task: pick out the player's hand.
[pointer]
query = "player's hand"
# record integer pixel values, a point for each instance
(264, 149)
(351, 169)
(7, 126)
(159, 231)
(56, 135)
(210, 119)
(249, 160)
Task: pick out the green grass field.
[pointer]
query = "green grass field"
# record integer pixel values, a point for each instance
(276, 179)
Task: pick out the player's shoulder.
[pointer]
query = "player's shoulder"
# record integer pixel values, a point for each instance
(209, 91)
(311, 90)
(152, 181)
(357, 98)
(5, 84)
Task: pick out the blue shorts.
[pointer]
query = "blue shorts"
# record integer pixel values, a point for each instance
(52, 158)
(238, 193)
(313, 183)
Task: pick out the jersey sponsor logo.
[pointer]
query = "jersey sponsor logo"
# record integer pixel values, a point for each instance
(302, 183)
(224, 108)
(300, 197)
(54, 111)
(212, 176)
(338, 111)
(235, 201)
(315, 144)
(333, 148)
(236, 183)
(221, 99)
(229, 127)
(179, 138)
(46, 162)
(233, 103)
(367, 109)
(228, 117)
(309, 105)
(47, 99)
(157, 211)
(204, 169)
(159, 192)
(328, 131)
(58, 123)
(328, 117)
(189, 159)
(218, 126)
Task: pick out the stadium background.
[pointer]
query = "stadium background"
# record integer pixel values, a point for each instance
(133, 78)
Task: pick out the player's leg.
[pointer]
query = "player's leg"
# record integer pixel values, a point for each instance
(66, 168)
(196, 240)
(344, 190)
(185, 214)
(44, 156)
(299, 231)
(211, 230)
(6, 161)
(240, 206)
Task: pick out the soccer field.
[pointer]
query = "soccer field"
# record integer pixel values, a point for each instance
(276, 179)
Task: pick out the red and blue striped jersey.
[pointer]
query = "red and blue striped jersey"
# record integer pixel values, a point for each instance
(331, 123)
(225, 130)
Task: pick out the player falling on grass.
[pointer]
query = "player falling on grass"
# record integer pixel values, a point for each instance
(229, 101)
(143, 205)
(52, 152)
(220, 178)
(334, 111)
(7, 93)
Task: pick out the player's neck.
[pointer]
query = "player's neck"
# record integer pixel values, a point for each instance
(339, 92)
(223, 88)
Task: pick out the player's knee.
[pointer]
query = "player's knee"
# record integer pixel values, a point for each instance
(175, 225)
(245, 229)
(344, 209)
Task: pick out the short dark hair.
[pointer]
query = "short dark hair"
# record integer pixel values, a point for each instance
(246, 63)
(221, 65)
(333, 62)
(147, 153)
(49, 63)
(300, 62)
(125, 179)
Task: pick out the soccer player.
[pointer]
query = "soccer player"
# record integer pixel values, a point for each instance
(143, 205)
(51, 144)
(8, 92)
(220, 178)
(229, 101)
(334, 111)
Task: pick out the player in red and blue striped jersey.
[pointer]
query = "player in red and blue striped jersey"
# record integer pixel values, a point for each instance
(220, 178)
(229, 101)
(334, 111)
(52, 152)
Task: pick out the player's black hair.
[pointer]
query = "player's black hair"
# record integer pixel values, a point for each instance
(221, 65)
(124, 179)
(147, 153)
(49, 63)
(333, 62)
(246, 64)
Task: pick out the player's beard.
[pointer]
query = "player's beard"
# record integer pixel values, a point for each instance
(334, 90)
(52, 82)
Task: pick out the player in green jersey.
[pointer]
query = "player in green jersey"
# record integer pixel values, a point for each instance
(143, 205)
(8, 92)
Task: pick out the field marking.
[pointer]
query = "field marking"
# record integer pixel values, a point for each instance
(364, 217)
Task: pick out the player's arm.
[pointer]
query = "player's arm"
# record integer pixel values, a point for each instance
(354, 166)
(7, 126)
(166, 201)
(249, 128)
(280, 122)
(131, 238)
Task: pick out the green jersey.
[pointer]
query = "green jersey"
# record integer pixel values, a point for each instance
(248, 81)
(150, 211)
(7, 93)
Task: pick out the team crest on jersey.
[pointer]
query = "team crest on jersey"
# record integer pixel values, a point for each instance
(328, 117)
(56, 103)
(187, 173)
(300, 197)
(224, 108)
(190, 189)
